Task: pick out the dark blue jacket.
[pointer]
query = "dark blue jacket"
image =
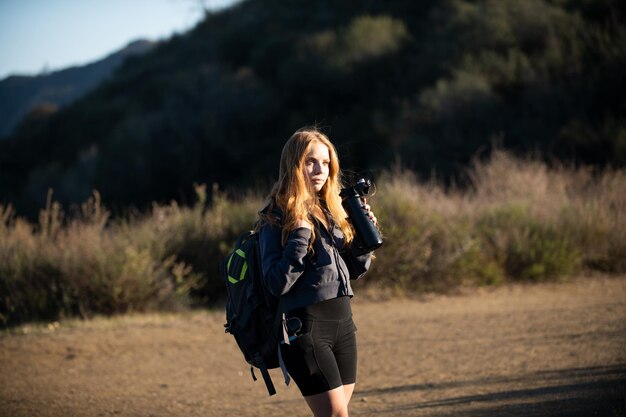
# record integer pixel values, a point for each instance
(301, 278)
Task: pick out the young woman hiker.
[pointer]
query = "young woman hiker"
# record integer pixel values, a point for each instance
(308, 260)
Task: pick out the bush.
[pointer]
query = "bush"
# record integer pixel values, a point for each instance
(527, 249)
(81, 267)
(427, 245)
(518, 221)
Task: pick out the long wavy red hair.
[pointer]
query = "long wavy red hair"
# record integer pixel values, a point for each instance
(292, 193)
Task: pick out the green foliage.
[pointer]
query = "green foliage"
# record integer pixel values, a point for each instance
(432, 82)
(365, 38)
(527, 249)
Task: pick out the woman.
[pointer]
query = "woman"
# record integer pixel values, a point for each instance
(308, 260)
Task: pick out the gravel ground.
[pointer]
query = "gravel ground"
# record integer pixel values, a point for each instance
(540, 350)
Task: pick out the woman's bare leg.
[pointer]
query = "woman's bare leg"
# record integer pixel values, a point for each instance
(348, 390)
(333, 403)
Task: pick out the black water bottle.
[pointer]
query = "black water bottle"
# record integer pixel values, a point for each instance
(368, 237)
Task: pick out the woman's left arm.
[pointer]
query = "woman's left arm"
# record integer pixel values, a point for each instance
(358, 263)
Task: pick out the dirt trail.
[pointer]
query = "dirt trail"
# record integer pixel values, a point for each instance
(543, 350)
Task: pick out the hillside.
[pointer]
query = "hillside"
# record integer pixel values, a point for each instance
(429, 83)
(21, 94)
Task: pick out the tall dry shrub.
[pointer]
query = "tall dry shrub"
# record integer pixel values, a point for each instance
(596, 219)
(79, 267)
(578, 210)
(429, 243)
(201, 235)
(519, 220)
(518, 209)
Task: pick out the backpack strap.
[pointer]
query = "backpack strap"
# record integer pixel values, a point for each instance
(285, 340)
(264, 373)
(283, 367)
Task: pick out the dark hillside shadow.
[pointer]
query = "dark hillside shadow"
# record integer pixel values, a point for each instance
(577, 392)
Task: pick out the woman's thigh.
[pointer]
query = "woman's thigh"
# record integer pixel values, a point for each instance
(329, 403)
(312, 365)
(323, 358)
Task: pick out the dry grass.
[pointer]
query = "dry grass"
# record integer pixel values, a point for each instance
(518, 221)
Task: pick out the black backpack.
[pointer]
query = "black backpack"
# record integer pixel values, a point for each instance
(252, 313)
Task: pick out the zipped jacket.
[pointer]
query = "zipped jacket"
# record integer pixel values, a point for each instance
(302, 278)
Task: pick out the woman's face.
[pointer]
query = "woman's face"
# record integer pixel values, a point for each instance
(316, 165)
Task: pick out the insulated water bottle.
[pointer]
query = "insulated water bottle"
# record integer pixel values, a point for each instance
(368, 236)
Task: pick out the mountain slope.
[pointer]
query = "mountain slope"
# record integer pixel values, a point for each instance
(429, 83)
(20, 94)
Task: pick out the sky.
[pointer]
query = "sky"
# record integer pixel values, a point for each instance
(48, 35)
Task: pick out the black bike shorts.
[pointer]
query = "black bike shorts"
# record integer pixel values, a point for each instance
(323, 356)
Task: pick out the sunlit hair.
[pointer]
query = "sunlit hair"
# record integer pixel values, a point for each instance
(295, 197)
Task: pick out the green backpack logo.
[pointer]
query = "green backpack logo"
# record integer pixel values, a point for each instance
(240, 265)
